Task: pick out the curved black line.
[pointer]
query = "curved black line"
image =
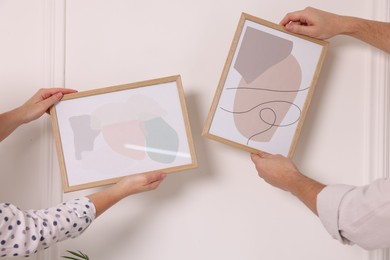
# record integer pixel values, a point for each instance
(270, 125)
(270, 90)
(261, 104)
(262, 118)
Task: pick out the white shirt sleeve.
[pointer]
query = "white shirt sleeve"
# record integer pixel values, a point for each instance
(357, 215)
(23, 233)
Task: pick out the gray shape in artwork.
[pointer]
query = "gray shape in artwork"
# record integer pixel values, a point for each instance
(162, 141)
(260, 51)
(84, 135)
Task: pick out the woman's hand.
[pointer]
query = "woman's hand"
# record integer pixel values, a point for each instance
(34, 108)
(41, 102)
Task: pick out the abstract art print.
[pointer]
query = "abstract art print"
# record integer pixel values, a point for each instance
(105, 134)
(265, 88)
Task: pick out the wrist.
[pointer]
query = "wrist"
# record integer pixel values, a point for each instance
(295, 181)
(350, 25)
(120, 191)
(307, 190)
(14, 118)
(19, 116)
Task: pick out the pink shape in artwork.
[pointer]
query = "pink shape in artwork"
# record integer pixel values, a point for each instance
(261, 106)
(119, 135)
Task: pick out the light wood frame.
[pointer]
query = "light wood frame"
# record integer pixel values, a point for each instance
(217, 127)
(161, 118)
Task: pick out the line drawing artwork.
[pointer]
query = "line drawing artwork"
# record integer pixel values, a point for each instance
(271, 77)
(265, 88)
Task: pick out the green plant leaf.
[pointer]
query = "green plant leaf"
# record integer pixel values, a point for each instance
(69, 257)
(78, 254)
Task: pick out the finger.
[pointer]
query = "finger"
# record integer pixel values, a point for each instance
(66, 90)
(154, 185)
(153, 180)
(263, 154)
(48, 102)
(295, 23)
(291, 17)
(154, 177)
(255, 158)
(298, 28)
(46, 93)
(307, 30)
(259, 156)
(285, 20)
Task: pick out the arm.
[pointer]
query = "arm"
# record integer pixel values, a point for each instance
(352, 215)
(23, 233)
(130, 185)
(34, 108)
(323, 25)
(357, 215)
(282, 173)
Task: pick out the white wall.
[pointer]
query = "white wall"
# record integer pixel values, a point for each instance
(26, 156)
(221, 210)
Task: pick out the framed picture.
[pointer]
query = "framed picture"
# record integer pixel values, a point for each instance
(265, 88)
(105, 134)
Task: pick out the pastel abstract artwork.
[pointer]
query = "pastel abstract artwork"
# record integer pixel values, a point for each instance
(107, 134)
(125, 127)
(265, 88)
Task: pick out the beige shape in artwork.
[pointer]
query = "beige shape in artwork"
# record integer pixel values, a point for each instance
(127, 132)
(271, 78)
(261, 106)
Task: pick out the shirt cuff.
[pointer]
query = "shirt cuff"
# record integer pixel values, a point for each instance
(83, 207)
(328, 203)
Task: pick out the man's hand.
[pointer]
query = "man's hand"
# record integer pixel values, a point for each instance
(276, 170)
(282, 173)
(313, 23)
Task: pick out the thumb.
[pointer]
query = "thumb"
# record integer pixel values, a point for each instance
(155, 177)
(260, 155)
(263, 154)
(256, 158)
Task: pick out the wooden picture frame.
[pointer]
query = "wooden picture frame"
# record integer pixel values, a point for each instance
(265, 89)
(105, 134)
